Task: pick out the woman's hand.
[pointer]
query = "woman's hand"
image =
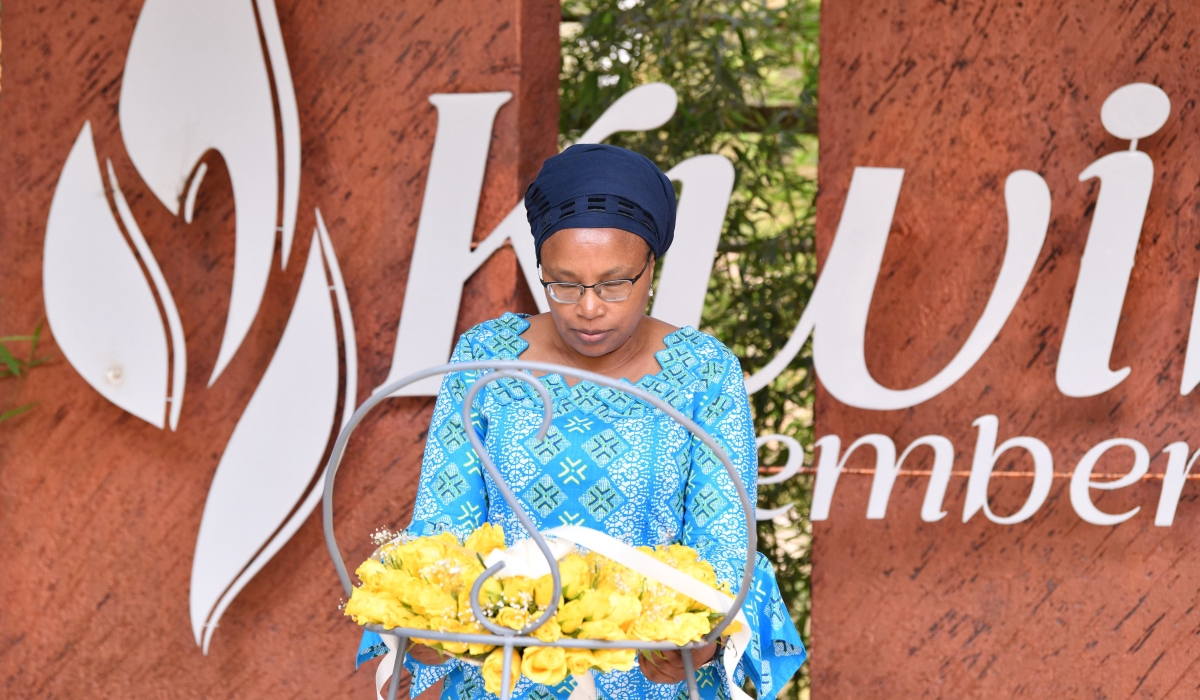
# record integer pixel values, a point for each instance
(426, 655)
(667, 666)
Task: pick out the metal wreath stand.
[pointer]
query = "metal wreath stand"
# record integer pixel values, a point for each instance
(503, 636)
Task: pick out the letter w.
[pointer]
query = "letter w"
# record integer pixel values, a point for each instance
(838, 307)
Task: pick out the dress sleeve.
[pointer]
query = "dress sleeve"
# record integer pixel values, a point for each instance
(715, 525)
(713, 521)
(451, 495)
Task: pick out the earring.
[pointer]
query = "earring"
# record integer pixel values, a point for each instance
(652, 292)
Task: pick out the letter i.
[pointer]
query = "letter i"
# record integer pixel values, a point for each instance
(1131, 112)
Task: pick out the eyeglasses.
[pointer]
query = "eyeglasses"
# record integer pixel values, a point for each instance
(610, 290)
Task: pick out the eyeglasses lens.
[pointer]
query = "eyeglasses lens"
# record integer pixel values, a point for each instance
(618, 290)
(614, 291)
(565, 293)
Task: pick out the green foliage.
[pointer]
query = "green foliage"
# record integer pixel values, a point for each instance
(14, 368)
(746, 77)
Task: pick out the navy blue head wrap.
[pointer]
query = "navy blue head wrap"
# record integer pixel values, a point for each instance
(600, 186)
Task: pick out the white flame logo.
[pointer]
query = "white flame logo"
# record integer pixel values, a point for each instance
(196, 79)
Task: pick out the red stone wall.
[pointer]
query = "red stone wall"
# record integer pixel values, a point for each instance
(960, 94)
(99, 511)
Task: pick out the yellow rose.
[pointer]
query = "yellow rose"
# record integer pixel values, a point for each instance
(577, 575)
(365, 606)
(549, 631)
(455, 565)
(396, 582)
(702, 571)
(485, 539)
(688, 627)
(423, 553)
(493, 671)
(490, 592)
(579, 661)
(625, 609)
(545, 665)
(370, 571)
(614, 659)
(668, 602)
(445, 625)
(467, 571)
(454, 647)
(543, 588)
(512, 618)
(595, 605)
(649, 630)
(518, 590)
(397, 615)
(464, 605)
(376, 608)
(620, 579)
(475, 628)
(431, 600)
(570, 616)
(600, 629)
(673, 604)
(410, 594)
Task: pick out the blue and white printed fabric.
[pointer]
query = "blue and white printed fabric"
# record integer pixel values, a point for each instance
(615, 464)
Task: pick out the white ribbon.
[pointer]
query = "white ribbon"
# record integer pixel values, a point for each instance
(525, 559)
(384, 672)
(585, 687)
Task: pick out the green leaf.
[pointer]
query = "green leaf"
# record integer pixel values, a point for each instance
(15, 411)
(37, 334)
(12, 363)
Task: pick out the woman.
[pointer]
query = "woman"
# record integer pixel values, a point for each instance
(601, 217)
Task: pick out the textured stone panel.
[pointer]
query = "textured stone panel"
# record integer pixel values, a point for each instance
(960, 94)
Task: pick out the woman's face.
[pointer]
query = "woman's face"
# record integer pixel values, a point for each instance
(591, 326)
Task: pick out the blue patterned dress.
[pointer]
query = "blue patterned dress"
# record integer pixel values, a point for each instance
(614, 464)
